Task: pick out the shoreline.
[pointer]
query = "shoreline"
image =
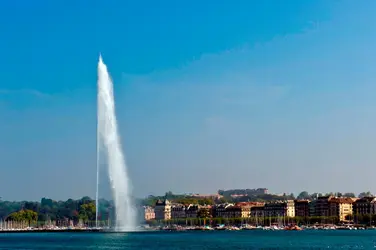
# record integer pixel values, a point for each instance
(55, 231)
(171, 230)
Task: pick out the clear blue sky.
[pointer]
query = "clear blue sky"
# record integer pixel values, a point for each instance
(210, 94)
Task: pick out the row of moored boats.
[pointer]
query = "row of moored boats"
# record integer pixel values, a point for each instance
(272, 228)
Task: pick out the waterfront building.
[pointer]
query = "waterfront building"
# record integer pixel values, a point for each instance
(243, 209)
(302, 208)
(178, 211)
(162, 210)
(192, 210)
(280, 208)
(237, 211)
(341, 207)
(220, 210)
(149, 213)
(258, 211)
(365, 205)
(322, 205)
(312, 207)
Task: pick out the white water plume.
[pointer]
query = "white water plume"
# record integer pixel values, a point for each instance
(109, 144)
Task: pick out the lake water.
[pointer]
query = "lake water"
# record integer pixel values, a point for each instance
(193, 240)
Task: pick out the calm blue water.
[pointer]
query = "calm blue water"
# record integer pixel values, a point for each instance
(193, 240)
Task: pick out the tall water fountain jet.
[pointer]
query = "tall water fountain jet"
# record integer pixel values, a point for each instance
(109, 143)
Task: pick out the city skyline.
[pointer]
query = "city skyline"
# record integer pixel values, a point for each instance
(209, 96)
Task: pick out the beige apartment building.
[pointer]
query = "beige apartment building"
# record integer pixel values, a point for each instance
(341, 207)
(162, 210)
(149, 213)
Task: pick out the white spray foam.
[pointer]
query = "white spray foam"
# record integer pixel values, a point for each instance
(109, 142)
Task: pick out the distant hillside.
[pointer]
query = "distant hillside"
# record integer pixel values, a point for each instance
(243, 192)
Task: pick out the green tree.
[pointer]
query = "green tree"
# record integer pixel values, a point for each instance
(223, 200)
(86, 199)
(351, 195)
(87, 212)
(203, 213)
(26, 215)
(48, 209)
(205, 201)
(29, 216)
(314, 196)
(303, 195)
(365, 194)
(169, 195)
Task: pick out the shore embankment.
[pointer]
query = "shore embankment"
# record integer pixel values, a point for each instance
(42, 230)
(188, 228)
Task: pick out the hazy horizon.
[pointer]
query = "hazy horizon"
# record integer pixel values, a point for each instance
(209, 96)
(162, 194)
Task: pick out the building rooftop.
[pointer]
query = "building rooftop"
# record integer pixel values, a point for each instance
(250, 204)
(223, 205)
(175, 205)
(342, 200)
(366, 199)
(302, 201)
(279, 202)
(162, 203)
